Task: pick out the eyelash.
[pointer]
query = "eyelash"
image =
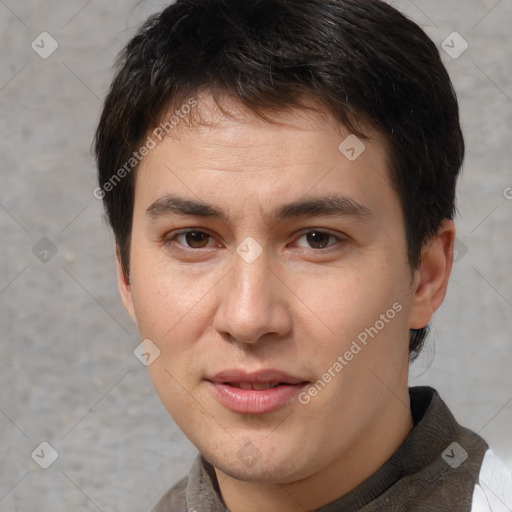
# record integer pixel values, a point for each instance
(170, 240)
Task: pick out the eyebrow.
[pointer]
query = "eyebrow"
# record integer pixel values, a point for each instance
(332, 206)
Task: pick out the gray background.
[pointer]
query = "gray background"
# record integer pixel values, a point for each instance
(67, 372)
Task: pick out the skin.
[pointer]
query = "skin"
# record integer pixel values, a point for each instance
(296, 308)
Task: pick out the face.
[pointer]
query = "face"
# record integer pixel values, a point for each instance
(262, 256)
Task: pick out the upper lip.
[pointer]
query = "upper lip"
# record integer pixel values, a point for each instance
(260, 376)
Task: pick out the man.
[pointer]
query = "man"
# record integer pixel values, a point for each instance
(280, 179)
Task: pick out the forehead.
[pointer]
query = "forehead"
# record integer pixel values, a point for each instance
(293, 148)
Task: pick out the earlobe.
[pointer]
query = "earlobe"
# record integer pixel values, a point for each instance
(125, 288)
(431, 278)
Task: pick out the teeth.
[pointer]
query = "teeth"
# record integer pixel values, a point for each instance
(257, 386)
(261, 385)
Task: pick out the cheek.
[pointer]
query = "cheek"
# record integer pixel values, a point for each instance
(175, 310)
(348, 300)
(162, 295)
(365, 312)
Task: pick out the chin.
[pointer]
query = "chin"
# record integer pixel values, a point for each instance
(250, 464)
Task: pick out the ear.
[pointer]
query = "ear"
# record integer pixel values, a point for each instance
(125, 288)
(431, 278)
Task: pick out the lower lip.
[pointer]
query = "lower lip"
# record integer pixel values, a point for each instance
(251, 401)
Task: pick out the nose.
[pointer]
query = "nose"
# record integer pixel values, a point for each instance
(253, 303)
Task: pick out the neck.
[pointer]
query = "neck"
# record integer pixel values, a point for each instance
(373, 447)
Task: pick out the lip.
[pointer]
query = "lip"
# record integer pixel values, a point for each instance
(251, 401)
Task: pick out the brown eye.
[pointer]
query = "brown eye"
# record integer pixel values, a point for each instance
(196, 239)
(317, 240)
(188, 240)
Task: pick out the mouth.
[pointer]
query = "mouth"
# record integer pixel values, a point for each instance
(257, 392)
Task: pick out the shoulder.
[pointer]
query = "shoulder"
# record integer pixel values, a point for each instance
(174, 500)
(493, 488)
(460, 472)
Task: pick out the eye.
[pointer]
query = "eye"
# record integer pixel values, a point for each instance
(196, 239)
(317, 239)
(191, 239)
